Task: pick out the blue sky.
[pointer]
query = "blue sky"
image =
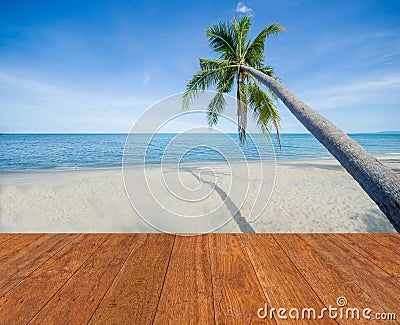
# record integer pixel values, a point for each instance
(94, 66)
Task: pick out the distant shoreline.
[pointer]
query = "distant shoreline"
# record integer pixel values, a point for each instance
(58, 152)
(125, 133)
(395, 156)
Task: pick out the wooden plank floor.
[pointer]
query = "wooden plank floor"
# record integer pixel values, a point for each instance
(207, 279)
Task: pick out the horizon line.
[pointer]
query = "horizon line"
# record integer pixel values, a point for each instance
(126, 133)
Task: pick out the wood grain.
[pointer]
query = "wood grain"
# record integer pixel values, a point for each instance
(378, 284)
(389, 241)
(187, 293)
(237, 291)
(17, 243)
(5, 237)
(25, 300)
(376, 253)
(281, 281)
(77, 300)
(15, 268)
(325, 275)
(133, 297)
(215, 278)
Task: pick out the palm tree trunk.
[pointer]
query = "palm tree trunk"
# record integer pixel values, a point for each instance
(240, 130)
(379, 182)
(241, 108)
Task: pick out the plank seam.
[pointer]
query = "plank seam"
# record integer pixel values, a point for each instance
(3, 241)
(387, 247)
(355, 281)
(357, 252)
(369, 296)
(298, 270)
(165, 276)
(50, 257)
(211, 274)
(134, 248)
(362, 254)
(245, 251)
(30, 241)
(72, 275)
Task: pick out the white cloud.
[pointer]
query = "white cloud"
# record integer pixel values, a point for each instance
(358, 92)
(34, 105)
(241, 7)
(51, 93)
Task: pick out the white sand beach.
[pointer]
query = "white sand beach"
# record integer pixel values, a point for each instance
(308, 196)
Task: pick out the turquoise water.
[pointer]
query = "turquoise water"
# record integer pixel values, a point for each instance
(24, 152)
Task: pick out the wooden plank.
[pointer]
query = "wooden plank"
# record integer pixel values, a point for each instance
(5, 237)
(281, 281)
(187, 296)
(133, 297)
(389, 241)
(375, 252)
(77, 300)
(237, 292)
(323, 271)
(17, 243)
(25, 300)
(16, 267)
(62, 279)
(379, 285)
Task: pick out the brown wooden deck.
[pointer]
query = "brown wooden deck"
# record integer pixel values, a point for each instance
(166, 279)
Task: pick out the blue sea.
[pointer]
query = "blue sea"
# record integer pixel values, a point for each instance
(27, 152)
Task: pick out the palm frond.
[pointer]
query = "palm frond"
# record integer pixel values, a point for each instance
(221, 39)
(226, 76)
(264, 110)
(254, 53)
(199, 82)
(207, 64)
(230, 41)
(241, 28)
(215, 109)
(268, 70)
(227, 79)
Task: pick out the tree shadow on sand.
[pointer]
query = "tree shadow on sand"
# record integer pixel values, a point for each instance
(242, 223)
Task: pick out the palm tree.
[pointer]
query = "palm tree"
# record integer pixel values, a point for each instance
(230, 41)
(379, 182)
